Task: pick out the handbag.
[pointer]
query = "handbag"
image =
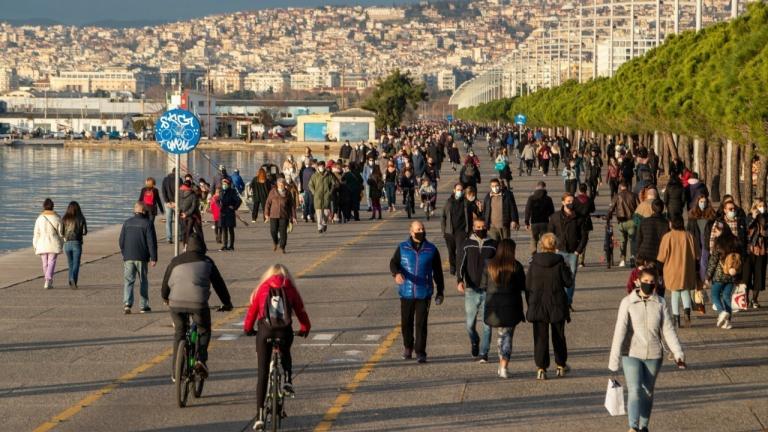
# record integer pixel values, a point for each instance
(500, 165)
(614, 398)
(739, 298)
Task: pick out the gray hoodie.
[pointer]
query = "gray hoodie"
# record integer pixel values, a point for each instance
(639, 327)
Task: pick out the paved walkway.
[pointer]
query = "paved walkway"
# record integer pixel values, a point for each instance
(74, 362)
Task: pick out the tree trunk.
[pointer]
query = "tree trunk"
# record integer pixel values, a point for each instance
(746, 171)
(685, 148)
(762, 176)
(734, 162)
(673, 154)
(723, 168)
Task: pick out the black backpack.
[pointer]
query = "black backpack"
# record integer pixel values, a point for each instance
(644, 172)
(277, 310)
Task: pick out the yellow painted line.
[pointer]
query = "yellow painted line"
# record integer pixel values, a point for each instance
(362, 374)
(91, 398)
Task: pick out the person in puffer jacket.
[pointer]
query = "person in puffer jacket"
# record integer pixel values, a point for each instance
(186, 289)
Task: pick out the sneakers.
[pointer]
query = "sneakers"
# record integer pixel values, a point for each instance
(475, 350)
(201, 369)
(127, 309)
(541, 374)
(48, 284)
(755, 305)
(503, 373)
(622, 264)
(727, 324)
(421, 359)
(483, 358)
(258, 425)
(146, 309)
(562, 371)
(721, 319)
(407, 354)
(288, 389)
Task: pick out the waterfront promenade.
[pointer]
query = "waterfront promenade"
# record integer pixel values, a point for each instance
(73, 362)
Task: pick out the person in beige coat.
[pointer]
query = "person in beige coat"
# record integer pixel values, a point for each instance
(48, 240)
(679, 254)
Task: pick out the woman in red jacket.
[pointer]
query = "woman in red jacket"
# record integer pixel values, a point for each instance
(276, 283)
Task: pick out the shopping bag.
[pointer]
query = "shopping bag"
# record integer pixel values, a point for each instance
(739, 298)
(614, 398)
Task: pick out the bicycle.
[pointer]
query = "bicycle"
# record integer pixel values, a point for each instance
(429, 205)
(408, 198)
(273, 409)
(186, 377)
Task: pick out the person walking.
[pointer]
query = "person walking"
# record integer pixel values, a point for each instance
(237, 182)
(585, 206)
(500, 211)
(623, 207)
(614, 176)
(637, 347)
(215, 209)
(504, 299)
(538, 209)
(650, 232)
(723, 270)
(189, 210)
(756, 260)
(455, 223)
(375, 186)
(418, 270)
(678, 252)
(260, 188)
(47, 240)
(74, 228)
(674, 198)
(151, 198)
(321, 187)
(528, 156)
(280, 210)
(186, 289)
(229, 202)
(390, 185)
(169, 196)
(475, 253)
(354, 182)
(570, 231)
(138, 245)
(305, 175)
(700, 221)
(548, 277)
(570, 178)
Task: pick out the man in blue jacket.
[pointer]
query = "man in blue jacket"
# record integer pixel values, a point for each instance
(138, 244)
(417, 269)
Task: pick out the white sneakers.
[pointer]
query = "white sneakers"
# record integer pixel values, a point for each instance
(503, 372)
(724, 321)
(622, 264)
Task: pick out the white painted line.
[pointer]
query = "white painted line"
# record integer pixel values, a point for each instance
(324, 336)
(345, 360)
(338, 345)
(371, 338)
(353, 353)
(228, 337)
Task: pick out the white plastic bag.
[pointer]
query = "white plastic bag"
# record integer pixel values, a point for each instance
(739, 298)
(614, 398)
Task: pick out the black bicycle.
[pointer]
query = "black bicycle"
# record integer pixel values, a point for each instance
(273, 409)
(186, 378)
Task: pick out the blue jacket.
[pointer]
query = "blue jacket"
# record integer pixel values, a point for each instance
(417, 270)
(138, 241)
(238, 182)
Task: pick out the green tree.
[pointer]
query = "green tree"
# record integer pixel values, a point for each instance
(392, 96)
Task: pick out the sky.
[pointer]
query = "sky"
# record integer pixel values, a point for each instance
(79, 12)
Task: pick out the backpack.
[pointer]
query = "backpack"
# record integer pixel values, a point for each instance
(732, 264)
(278, 310)
(644, 172)
(149, 198)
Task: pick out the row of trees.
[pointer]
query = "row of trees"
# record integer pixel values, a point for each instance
(704, 93)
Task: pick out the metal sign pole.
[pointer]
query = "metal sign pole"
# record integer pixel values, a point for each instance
(176, 210)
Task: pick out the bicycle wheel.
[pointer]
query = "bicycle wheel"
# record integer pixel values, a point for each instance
(199, 383)
(274, 402)
(181, 371)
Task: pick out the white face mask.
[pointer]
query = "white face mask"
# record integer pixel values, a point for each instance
(495, 189)
(761, 210)
(321, 169)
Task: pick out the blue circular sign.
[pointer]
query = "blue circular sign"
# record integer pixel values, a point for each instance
(521, 119)
(177, 131)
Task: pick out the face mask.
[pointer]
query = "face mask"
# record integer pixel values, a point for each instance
(647, 288)
(470, 198)
(370, 163)
(419, 236)
(761, 210)
(225, 186)
(458, 194)
(732, 214)
(481, 233)
(569, 206)
(495, 189)
(703, 205)
(281, 191)
(321, 169)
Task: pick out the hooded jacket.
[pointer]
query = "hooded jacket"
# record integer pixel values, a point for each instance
(257, 312)
(189, 276)
(321, 186)
(539, 207)
(548, 275)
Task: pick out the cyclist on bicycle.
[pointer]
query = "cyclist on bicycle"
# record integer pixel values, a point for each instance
(276, 286)
(186, 289)
(408, 186)
(427, 193)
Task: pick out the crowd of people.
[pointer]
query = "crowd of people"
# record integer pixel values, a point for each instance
(676, 245)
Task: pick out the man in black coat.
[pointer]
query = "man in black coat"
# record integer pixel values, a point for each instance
(229, 202)
(138, 245)
(538, 210)
(650, 232)
(168, 193)
(455, 223)
(500, 211)
(569, 229)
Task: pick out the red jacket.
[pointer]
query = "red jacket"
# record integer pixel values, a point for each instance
(256, 311)
(215, 208)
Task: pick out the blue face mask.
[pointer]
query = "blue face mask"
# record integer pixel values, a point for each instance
(703, 205)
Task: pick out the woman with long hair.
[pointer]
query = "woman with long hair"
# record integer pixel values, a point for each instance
(74, 228)
(47, 240)
(722, 271)
(260, 187)
(504, 302)
(757, 251)
(274, 300)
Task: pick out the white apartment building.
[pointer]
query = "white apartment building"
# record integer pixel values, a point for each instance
(622, 53)
(226, 81)
(385, 13)
(315, 78)
(8, 79)
(446, 80)
(91, 81)
(261, 82)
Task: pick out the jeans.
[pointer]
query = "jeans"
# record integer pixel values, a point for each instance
(309, 205)
(571, 259)
(721, 296)
(132, 269)
(169, 215)
(676, 296)
(390, 189)
(74, 250)
(627, 230)
(641, 378)
(474, 307)
(322, 216)
(504, 342)
(49, 265)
